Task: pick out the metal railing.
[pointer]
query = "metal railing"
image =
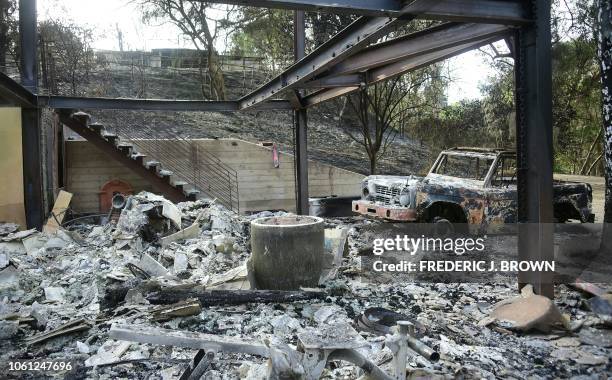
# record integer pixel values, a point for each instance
(186, 158)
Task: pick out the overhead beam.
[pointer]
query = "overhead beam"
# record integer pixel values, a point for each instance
(390, 8)
(67, 102)
(347, 42)
(335, 81)
(482, 11)
(422, 42)
(395, 69)
(14, 94)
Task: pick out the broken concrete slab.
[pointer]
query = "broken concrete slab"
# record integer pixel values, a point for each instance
(82, 347)
(9, 277)
(19, 235)
(55, 294)
(236, 278)
(190, 232)
(172, 212)
(34, 242)
(181, 262)
(110, 352)
(151, 266)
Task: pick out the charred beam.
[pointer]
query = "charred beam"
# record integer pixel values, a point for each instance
(429, 40)
(230, 297)
(395, 69)
(483, 11)
(534, 142)
(349, 41)
(66, 102)
(14, 94)
(30, 119)
(335, 81)
(300, 117)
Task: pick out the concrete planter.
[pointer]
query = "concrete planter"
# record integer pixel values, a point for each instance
(287, 251)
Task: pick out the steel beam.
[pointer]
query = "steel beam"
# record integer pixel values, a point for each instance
(535, 146)
(485, 11)
(335, 81)
(398, 68)
(14, 94)
(353, 38)
(66, 102)
(301, 123)
(425, 41)
(30, 119)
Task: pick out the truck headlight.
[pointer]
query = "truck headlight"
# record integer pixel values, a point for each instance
(365, 193)
(404, 200)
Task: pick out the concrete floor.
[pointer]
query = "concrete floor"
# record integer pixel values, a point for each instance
(598, 191)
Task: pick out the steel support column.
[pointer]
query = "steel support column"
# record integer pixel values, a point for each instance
(30, 119)
(301, 122)
(534, 145)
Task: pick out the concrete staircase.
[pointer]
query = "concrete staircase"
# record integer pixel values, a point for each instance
(124, 152)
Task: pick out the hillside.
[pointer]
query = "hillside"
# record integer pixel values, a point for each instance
(327, 142)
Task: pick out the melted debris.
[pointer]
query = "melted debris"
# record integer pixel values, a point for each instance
(60, 293)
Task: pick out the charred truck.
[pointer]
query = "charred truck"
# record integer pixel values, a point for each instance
(465, 185)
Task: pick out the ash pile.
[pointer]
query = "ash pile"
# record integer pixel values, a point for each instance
(165, 291)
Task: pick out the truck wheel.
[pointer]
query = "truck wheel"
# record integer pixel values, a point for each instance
(442, 226)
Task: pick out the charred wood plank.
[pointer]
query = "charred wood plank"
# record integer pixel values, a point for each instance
(231, 297)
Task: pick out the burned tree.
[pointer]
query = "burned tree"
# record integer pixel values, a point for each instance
(193, 19)
(380, 111)
(605, 57)
(67, 57)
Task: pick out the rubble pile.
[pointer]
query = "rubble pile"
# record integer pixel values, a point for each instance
(179, 274)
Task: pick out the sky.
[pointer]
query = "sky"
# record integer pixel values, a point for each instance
(104, 17)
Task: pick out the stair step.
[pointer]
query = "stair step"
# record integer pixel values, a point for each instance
(152, 165)
(111, 137)
(180, 185)
(125, 148)
(138, 157)
(96, 127)
(83, 117)
(192, 194)
(165, 174)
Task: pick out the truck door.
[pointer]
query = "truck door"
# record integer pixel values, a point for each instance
(501, 205)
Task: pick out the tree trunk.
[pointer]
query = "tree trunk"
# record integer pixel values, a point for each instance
(590, 152)
(605, 56)
(217, 82)
(373, 164)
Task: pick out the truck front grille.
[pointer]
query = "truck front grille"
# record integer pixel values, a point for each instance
(385, 194)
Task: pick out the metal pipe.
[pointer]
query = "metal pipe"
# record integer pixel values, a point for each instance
(422, 349)
(352, 356)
